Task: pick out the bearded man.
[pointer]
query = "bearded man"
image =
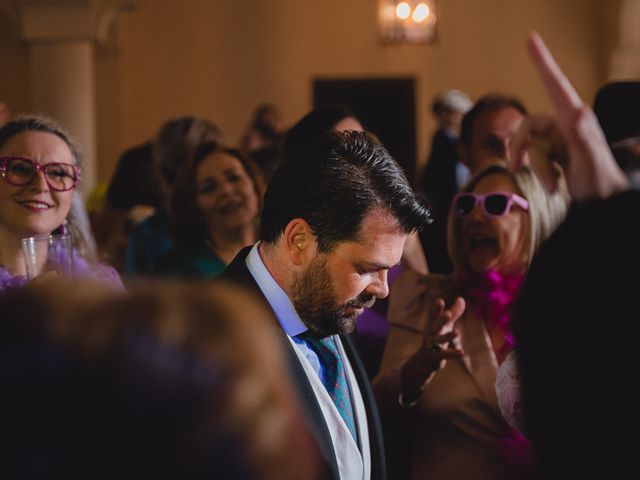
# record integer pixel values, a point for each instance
(335, 218)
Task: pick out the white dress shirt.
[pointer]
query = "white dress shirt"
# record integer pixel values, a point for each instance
(353, 459)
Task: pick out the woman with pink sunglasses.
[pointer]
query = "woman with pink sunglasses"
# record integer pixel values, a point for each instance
(450, 333)
(39, 173)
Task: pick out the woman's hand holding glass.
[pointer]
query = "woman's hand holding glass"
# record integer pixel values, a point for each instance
(47, 256)
(439, 344)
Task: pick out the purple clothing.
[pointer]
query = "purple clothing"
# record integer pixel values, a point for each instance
(9, 281)
(81, 268)
(372, 329)
(373, 321)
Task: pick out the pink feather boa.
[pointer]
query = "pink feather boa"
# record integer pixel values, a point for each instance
(492, 293)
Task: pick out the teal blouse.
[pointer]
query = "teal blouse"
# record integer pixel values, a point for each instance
(193, 261)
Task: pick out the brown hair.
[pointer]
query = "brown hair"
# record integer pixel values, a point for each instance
(187, 222)
(177, 140)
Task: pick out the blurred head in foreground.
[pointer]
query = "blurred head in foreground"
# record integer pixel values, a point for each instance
(617, 106)
(576, 335)
(165, 382)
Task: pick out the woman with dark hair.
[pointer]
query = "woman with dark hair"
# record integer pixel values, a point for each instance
(263, 131)
(39, 173)
(261, 140)
(319, 120)
(135, 192)
(215, 209)
(172, 146)
(579, 383)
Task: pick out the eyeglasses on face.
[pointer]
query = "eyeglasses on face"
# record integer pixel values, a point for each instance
(20, 171)
(494, 204)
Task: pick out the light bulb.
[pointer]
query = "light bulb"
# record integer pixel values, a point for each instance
(421, 13)
(403, 10)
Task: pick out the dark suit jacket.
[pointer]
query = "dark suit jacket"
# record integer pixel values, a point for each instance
(237, 273)
(439, 177)
(440, 186)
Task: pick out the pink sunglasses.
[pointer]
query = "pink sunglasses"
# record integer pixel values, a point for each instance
(494, 204)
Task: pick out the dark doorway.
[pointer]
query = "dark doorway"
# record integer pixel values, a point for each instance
(385, 106)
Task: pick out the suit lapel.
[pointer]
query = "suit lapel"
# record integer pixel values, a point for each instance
(376, 442)
(238, 274)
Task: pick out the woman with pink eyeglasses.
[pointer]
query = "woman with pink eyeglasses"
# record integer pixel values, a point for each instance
(39, 173)
(449, 334)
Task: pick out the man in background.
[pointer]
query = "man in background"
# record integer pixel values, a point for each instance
(444, 174)
(487, 130)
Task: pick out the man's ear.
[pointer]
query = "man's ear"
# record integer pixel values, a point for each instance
(299, 242)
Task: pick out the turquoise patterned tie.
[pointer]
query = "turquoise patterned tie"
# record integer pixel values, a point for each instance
(335, 380)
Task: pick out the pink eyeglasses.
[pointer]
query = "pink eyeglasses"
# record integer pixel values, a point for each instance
(494, 204)
(20, 171)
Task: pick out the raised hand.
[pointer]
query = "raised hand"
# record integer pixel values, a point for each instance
(439, 344)
(590, 168)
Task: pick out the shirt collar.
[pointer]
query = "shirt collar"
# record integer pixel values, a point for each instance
(277, 298)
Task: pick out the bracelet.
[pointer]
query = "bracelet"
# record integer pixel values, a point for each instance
(407, 405)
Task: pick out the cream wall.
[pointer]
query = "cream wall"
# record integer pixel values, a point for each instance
(15, 83)
(220, 58)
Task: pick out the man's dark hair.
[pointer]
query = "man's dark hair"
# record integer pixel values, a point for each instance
(487, 103)
(333, 184)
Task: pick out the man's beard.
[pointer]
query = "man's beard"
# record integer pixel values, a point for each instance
(315, 301)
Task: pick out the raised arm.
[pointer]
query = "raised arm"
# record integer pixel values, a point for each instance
(590, 168)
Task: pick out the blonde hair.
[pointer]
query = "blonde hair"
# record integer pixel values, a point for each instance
(546, 210)
(77, 220)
